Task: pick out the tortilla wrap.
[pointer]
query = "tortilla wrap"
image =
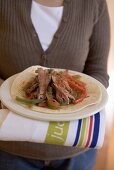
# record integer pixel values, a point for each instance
(24, 78)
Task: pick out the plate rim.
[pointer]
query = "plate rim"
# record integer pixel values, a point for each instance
(49, 116)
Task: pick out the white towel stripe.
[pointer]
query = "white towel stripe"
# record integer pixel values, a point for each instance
(71, 133)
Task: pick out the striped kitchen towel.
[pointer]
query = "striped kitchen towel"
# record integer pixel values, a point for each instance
(83, 133)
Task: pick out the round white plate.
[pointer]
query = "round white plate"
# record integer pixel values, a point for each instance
(6, 99)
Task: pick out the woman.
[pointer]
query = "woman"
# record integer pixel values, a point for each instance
(70, 34)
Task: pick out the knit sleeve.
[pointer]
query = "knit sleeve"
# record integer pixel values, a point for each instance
(96, 63)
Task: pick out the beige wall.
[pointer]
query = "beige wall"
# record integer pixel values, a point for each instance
(110, 105)
(111, 54)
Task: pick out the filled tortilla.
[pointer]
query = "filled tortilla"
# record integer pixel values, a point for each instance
(54, 90)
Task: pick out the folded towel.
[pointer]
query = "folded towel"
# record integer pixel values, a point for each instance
(87, 132)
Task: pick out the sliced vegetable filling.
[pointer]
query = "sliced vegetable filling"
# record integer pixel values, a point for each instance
(54, 89)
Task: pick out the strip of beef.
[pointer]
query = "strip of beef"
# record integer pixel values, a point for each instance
(32, 95)
(44, 78)
(62, 88)
(59, 96)
(59, 77)
(64, 93)
(32, 87)
(48, 76)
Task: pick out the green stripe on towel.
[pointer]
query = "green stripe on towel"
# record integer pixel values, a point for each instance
(57, 133)
(83, 131)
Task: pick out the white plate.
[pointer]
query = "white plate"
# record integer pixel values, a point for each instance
(6, 99)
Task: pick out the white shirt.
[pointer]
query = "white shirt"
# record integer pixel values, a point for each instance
(46, 21)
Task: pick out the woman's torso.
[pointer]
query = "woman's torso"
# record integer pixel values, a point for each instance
(20, 48)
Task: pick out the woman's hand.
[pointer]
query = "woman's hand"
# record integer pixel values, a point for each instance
(3, 107)
(1, 81)
(1, 104)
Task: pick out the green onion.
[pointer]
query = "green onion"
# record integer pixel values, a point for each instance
(29, 102)
(64, 103)
(50, 90)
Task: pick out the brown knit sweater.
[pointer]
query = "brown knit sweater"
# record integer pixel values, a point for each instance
(81, 43)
